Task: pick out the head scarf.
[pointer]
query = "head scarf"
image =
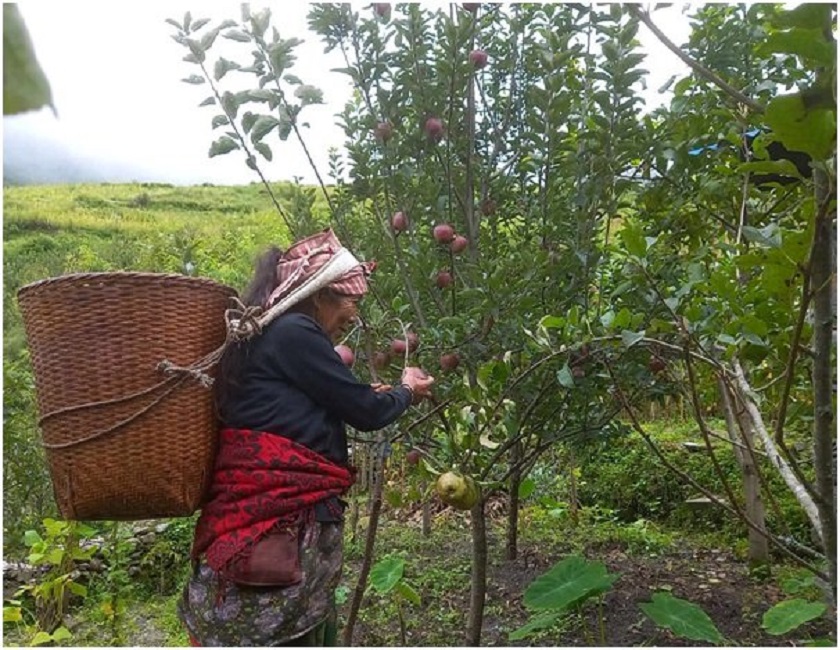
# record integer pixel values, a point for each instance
(302, 262)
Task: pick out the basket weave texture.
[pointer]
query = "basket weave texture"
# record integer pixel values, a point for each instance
(115, 448)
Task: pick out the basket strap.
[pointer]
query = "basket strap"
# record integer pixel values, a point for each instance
(64, 445)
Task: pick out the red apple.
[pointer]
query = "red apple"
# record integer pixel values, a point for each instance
(346, 354)
(443, 233)
(578, 372)
(656, 364)
(478, 58)
(383, 131)
(434, 129)
(381, 360)
(413, 341)
(459, 244)
(412, 457)
(471, 6)
(399, 222)
(398, 346)
(382, 9)
(444, 279)
(449, 361)
(488, 207)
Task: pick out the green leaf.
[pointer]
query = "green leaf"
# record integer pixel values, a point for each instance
(220, 120)
(194, 79)
(537, 623)
(41, 638)
(237, 35)
(526, 488)
(263, 126)
(31, 537)
(208, 102)
(552, 322)
(386, 573)
(790, 614)
(309, 95)
(223, 145)
(801, 130)
(76, 588)
(808, 15)
(12, 614)
(174, 23)
(634, 240)
(781, 167)
(567, 583)
(408, 592)
(768, 236)
(25, 86)
(264, 150)
(683, 618)
(808, 44)
(631, 338)
(61, 634)
(565, 378)
(223, 66)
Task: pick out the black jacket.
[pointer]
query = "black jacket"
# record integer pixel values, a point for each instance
(293, 383)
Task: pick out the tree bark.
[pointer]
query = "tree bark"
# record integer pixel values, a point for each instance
(759, 549)
(513, 503)
(822, 288)
(478, 581)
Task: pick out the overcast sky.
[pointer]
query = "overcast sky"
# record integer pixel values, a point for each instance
(123, 111)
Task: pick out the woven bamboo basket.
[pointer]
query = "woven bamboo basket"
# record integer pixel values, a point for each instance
(123, 439)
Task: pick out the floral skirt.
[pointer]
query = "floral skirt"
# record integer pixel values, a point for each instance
(217, 612)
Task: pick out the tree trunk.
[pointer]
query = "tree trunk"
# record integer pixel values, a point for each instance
(478, 581)
(427, 512)
(378, 463)
(822, 286)
(759, 550)
(513, 505)
(573, 494)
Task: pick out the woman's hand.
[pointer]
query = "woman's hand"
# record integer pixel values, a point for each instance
(381, 388)
(418, 382)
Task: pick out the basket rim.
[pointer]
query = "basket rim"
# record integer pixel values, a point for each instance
(131, 276)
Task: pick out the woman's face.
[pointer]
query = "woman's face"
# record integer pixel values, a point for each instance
(337, 313)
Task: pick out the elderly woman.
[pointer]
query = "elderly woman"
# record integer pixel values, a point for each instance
(267, 552)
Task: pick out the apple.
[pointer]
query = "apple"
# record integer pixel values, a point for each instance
(444, 279)
(460, 492)
(413, 341)
(433, 129)
(381, 360)
(459, 244)
(399, 222)
(478, 58)
(656, 364)
(578, 372)
(488, 207)
(382, 9)
(383, 131)
(443, 233)
(413, 457)
(346, 354)
(398, 346)
(450, 361)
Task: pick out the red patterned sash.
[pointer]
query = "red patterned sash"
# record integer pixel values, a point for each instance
(261, 482)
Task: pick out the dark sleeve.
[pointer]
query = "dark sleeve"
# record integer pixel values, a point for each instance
(307, 358)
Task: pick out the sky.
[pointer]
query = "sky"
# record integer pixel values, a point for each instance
(124, 115)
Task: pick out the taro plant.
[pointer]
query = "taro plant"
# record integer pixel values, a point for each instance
(686, 620)
(567, 588)
(387, 579)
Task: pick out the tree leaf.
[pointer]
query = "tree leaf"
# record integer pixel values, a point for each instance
(174, 23)
(25, 86)
(631, 338)
(526, 488)
(61, 634)
(195, 79)
(208, 102)
(223, 145)
(41, 638)
(263, 126)
(31, 537)
(537, 623)
(790, 614)
(567, 583)
(220, 120)
(799, 129)
(634, 240)
(565, 378)
(768, 236)
(237, 35)
(264, 150)
(386, 573)
(408, 592)
(683, 618)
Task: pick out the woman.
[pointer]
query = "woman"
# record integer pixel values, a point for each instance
(267, 551)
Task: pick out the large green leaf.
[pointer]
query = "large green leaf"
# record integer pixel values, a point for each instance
(223, 145)
(537, 623)
(683, 618)
(25, 86)
(567, 583)
(799, 129)
(790, 614)
(386, 573)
